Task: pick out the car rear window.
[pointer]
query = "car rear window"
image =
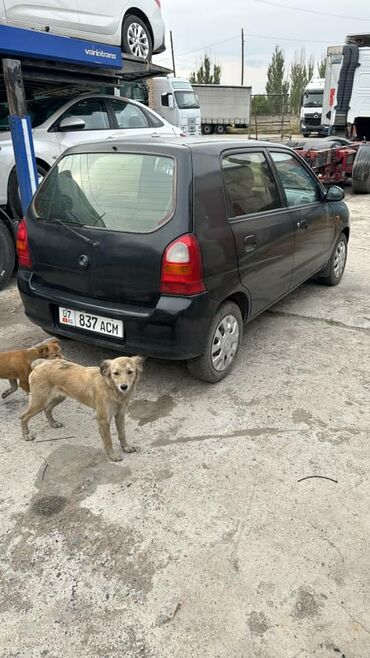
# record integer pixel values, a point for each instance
(127, 192)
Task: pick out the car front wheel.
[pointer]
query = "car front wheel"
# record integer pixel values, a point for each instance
(223, 342)
(337, 264)
(136, 38)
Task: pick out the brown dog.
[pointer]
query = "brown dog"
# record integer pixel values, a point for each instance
(107, 389)
(16, 366)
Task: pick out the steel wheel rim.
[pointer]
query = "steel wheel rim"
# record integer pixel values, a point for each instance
(340, 259)
(225, 343)
(138, 40)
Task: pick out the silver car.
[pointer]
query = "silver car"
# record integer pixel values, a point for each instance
(137, 27)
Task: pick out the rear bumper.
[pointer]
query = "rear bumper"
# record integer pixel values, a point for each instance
(176, 328)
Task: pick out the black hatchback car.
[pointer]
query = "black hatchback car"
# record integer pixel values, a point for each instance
(167, 249)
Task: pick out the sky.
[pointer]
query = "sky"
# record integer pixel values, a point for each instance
(200, 26)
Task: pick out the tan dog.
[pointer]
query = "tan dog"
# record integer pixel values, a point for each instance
(107, 389)
(17, 366)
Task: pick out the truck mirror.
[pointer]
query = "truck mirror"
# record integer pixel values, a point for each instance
(164, 100)
(171, 102)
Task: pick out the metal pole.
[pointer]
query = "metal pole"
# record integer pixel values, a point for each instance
(173, 54)
(21, 130)
(243, 42)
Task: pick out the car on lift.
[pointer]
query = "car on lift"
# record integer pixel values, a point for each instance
(167, 248)
(137, 27)
(61, 121)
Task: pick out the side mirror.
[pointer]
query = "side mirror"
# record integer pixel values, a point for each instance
(167, 100)
(71, 123)
(334, 193)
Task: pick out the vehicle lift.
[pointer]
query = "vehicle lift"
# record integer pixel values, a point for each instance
(37, 62)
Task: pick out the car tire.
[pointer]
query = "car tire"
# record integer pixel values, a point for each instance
(136, 38)
(361, 171)
(227, 326)
(14, 200)
(7, 255)
(334, 270)
(207, 129)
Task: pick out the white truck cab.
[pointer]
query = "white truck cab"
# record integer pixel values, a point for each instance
(346, 108)
(311, 108)
(175, 100)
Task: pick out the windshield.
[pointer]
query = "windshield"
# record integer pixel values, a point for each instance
(313, 98)
(126, 192)
(186, 100)
(39, 110)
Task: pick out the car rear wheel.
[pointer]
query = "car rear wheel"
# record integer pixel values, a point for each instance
(337, 264)
(223, 342)
(7, 255)
(136, 38)
(14, 199)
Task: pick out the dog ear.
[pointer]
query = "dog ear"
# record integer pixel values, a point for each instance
(105, 368)
(43, 351)
(139, 363)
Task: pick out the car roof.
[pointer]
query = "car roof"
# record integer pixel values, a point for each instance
(200, 144)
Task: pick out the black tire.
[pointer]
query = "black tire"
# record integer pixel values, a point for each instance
(14, 200)
(331, 276)
(146, 41)
(220, 129)
(361, 171)
(7, 255)
(202, 367)
(207, 129)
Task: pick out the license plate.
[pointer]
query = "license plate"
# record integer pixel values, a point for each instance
(88, 322)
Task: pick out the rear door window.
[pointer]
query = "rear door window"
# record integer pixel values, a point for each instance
(249, 183)
(299, 186)
(129, 115)
(126, 192)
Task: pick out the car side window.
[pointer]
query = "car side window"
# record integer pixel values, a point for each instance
(129, 115)
(300, 188)
(250, 185)
(92, 111)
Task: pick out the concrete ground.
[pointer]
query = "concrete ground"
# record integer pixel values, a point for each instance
(206, 543)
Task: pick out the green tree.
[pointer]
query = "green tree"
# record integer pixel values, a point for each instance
(299, 77)
(260, 105)
(208, 73)
(321, 66)
(276, 85)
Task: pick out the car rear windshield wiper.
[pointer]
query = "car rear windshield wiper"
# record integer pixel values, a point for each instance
(94, 243)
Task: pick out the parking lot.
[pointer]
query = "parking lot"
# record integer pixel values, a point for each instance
(206, 543)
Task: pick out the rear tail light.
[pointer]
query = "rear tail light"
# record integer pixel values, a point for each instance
(158, 2)
(23, 249)
(182, 270)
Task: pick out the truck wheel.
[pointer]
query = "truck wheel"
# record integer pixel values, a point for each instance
(136, 38)
(361, 171)
(207, 129)
(220, 129)
(7, 255)
(223, 342)
(14, 199)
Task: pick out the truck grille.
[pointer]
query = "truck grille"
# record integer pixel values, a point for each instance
(312, 120)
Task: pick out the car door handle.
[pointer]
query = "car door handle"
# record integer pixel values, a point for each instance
(250, 243)
(302, 224)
